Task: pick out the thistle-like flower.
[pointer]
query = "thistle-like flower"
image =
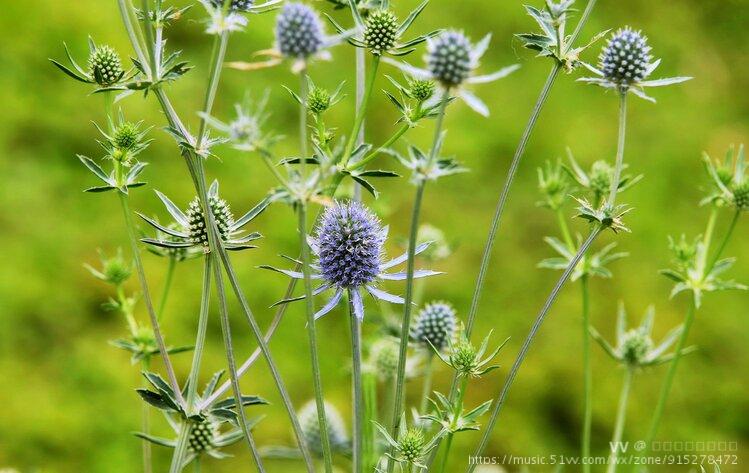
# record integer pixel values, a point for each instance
(349, 247)
(410, 447)
(384, 358)
(381, 33)
(230, 16)
(207, 436)
(191, 225)
(125, 141)
(435, 326)
(468, 360)
(552, 41)
(692, 271)
(441, 249)
(339, 441)
(451, 60)
(425, 168)
(729, 180)
(246, 132)
(300, 38)
(115, 270)
(634, 347)
(625, 63)
(104, 67)
(590, 265)
(597, 181)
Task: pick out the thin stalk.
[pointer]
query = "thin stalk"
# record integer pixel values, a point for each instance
(620, 149)
(148, 27)
(361, 73)
(132, 33)
(587, 373)
(303, 92)
(197, 355)
(356, 389)
(724, 242)
(312, 335)
(146, 426)
(217, 58)
(229, 349)
(583, 19)
(499, 402)
(456, 413)
(427, 386)
(181, 448)
(216, 247)
(369, 446)
(362, 111)
(147, 298)
(167, 287)
(400, 387)
(504, 194)
(621, 415)
(670, 374)
(564, 228)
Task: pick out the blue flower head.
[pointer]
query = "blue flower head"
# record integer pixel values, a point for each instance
(348, 243)
(235, 5)
(299, 33)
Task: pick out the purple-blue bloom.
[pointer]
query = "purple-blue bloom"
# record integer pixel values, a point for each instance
(348, 243)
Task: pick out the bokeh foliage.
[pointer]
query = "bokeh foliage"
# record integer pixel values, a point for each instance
(68, 401)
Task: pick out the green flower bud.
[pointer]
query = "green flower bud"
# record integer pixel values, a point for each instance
(421, 90)
(411, 445)
(318, 100)
(105, 66)
(381, 31)
(384, 358)
(635, 347)
(741, 196)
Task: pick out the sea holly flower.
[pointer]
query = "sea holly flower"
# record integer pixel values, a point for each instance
(191, 225)
(729, 180)
(246, 132)
(691, 271)
(451, 60)
(300, 38)
(597, 181)
(553, 40)
(381, 33)
(229, 17)
(451, 417)
(425, 169)
(104, 67)
(348, 245)
(634, 347)
(339, 440)
(626, 63)
(207, 433)
(590, 265)
(466, 359)
(606, 216)
(410, 447)
(435, 326)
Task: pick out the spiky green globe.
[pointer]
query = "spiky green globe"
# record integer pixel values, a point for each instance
(435, 325)
(201, 437)
(463, 357)
(626, 58)
(197, 225)
(741, 196)
(126, 136)
(449, 58)
(385, 356)
(411, 445)
(116, 270)
(318, 100)
(421, 90)
(311, 428)
(105, 66)
(635, 347)
(381, 31)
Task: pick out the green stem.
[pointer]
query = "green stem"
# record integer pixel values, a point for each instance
(504, 194)
(621, 415)
(181, 448)
(361, 113)
(369, 445)
(217, 58)
(427, 387)
(147, 26)
(500, 401)
(167, 286)
(229, 349)
(583, 19)
(723, 243)
(670, 374)
(457, 411)
(564, 228)
(356, 388)
(132, 33)
(146, 425)
(312, 336)
(619, 149)
(197, 355)
(216, 247)
(448, 444)
(303, 92)
(373, 154)
(147, 298)
(587, 373)
(400, 387)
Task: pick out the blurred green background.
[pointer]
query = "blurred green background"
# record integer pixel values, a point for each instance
(67, 399)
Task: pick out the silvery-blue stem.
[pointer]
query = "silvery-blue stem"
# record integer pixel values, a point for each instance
(356, 389)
